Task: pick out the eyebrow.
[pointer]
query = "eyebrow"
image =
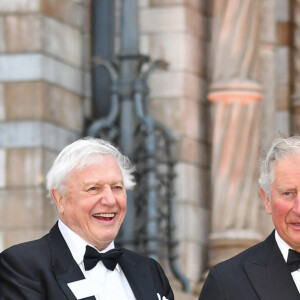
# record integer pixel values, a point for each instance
(284, 189)
(85, 183)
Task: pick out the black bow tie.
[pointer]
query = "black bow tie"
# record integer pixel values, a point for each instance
(109, 258)
(293, 260)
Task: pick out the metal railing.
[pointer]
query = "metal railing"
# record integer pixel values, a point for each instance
(149, 225)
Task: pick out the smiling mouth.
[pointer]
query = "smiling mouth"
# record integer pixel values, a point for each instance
(104, 216)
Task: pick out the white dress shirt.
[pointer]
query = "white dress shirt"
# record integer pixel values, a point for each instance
(102, 283)
(284, 248)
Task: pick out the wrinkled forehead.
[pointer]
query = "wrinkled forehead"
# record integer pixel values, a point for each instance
(289, 160)
(90, 160)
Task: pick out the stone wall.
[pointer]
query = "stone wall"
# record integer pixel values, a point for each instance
(179, 33)
(293, 33)
(283, 66)
(44, 78)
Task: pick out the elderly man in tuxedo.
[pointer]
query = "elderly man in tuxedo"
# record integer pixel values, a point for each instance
(270, 269)
(77, 259)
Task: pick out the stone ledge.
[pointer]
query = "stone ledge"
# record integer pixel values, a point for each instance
(30, 67)
(35, 134)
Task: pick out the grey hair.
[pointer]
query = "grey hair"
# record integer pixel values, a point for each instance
(280, 149)
(82, 153)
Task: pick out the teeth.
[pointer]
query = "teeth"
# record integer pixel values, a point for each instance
(105, 215)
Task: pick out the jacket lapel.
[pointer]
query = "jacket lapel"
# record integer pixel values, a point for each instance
(138, 276)
(64, 266)
(269, 274)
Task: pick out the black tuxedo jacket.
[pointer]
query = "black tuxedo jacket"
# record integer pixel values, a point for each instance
(257, 273)
(41, 269)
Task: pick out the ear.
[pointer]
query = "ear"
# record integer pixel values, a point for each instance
(267, 201)
(58, 199)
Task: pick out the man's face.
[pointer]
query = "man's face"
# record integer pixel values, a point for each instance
(284, 205)
(95, 202)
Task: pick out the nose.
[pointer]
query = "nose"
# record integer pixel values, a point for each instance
(108, 197)
(296, 207)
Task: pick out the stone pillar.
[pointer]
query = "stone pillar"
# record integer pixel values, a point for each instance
(43, 80)
(235, 95)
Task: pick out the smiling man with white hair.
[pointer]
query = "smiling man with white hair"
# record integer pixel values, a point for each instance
(77, 259)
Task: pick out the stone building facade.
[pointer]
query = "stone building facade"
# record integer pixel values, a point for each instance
(230, 87)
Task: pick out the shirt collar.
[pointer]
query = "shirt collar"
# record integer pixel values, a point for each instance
(283, 246)
(77, 245)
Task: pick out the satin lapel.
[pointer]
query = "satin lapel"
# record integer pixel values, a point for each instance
(139, 277)
(269, 274)
(64, 266)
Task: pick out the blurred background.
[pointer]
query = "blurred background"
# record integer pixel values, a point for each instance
(191, 90)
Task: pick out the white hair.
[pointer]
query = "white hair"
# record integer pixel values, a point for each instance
(82, 153)
(280, 149)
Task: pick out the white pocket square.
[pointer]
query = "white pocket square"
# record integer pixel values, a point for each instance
(83, 288)
(161, 298)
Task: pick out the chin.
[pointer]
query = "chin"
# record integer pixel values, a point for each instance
(108, 238)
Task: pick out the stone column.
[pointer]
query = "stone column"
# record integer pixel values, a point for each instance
(42, 84)
(235, 95)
